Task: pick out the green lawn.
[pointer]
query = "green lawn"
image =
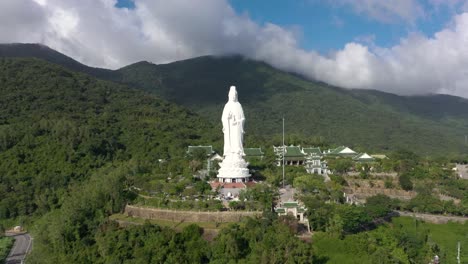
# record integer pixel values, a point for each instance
(356, 248)
(446, 236)
(335, 251)
(5, 244)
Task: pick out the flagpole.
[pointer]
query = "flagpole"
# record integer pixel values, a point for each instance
(283, 152)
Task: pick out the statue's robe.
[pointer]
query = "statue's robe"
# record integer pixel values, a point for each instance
(233, 128)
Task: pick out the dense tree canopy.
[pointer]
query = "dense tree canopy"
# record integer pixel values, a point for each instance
(74, 148)
(57, 127)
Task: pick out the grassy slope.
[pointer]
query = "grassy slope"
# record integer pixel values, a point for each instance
(5, 244)
(445, 236)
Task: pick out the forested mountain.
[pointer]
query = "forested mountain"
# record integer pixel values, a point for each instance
(369, 120)
(43, 52)
(315, 112)
(71, 147)
(57, 127)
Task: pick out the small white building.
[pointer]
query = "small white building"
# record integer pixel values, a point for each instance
(363, 157)
(314, 162)
(293, 155)
(292, 208)
(341, 151)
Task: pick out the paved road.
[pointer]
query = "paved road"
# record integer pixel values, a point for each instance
(20, 249)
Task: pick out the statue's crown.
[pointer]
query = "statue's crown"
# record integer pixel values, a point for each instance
(233, 93)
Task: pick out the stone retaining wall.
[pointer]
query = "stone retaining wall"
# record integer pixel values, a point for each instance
(392, 193)
(435, 219)
(187, 216)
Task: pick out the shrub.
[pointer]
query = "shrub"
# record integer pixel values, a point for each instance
(405, 182)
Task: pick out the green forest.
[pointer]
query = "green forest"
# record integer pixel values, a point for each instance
(314, 112)
(73, 147)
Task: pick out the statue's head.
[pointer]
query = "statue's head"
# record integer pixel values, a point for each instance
(232, 94)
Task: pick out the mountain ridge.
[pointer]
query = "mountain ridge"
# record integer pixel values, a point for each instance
(369, 120)
(48, 54)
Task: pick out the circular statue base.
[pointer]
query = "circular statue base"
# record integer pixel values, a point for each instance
(233, 169)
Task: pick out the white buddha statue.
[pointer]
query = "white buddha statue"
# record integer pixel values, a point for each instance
(233, 168)
(233, 125)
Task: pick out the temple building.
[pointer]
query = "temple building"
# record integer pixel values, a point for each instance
(254, 153)
(314, 162)
(311, 158)
(208, 150)
(295, 209)
(293, 155)
(363, 157)
(341, 151)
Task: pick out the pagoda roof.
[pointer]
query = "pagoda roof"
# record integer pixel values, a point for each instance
(208, 149)
(363, 157)
(253, 152)
(312, 150)
(342, 150)
(293, 151)
(290, 204)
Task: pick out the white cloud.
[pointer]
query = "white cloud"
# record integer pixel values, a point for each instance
(21, 21)
(388, 11)
(98, 34)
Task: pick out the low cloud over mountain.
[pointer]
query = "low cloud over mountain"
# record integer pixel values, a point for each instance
(100, 34)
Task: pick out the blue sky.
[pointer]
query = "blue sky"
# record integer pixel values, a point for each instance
(326, 26)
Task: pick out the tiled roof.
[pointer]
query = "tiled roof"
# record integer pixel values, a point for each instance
(293, 151)
(290, 204)
(312, 151)
(342, 151)
(207, 149)
(337, 150)
(253, 152)
(363, 157)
